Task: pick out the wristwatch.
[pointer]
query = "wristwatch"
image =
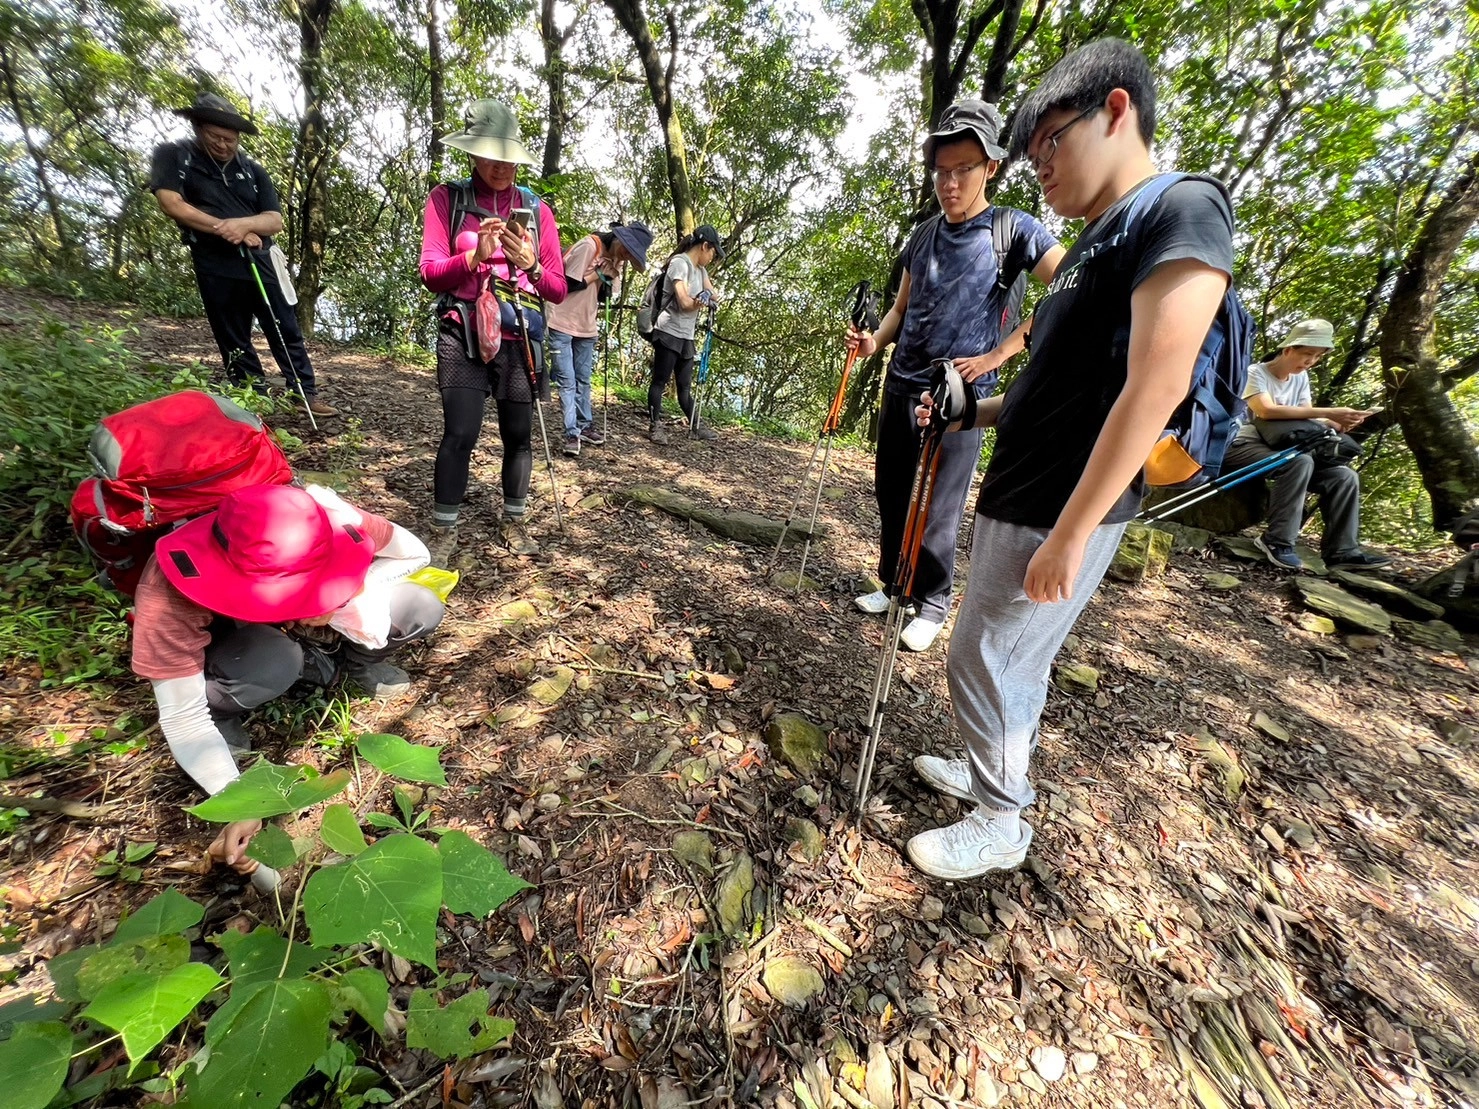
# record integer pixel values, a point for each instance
(535, 272)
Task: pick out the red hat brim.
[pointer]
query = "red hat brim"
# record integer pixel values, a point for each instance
(195, 562)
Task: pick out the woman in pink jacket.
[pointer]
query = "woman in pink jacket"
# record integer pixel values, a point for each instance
(504, 237)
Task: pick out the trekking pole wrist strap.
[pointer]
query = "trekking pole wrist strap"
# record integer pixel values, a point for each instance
(954, 397)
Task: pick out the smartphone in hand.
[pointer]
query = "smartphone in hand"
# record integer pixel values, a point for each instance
(520, 217)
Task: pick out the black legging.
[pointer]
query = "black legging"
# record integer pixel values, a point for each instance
(462, 419)
(668, 363)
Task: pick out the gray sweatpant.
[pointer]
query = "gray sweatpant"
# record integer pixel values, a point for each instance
(1002, 649)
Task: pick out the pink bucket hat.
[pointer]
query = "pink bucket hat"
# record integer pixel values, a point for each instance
(268, 554)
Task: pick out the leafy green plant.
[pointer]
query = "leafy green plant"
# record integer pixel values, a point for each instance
(127, 867)
(272, 1010)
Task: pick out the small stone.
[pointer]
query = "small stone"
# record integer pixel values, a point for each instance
(734, 662)
(792, 581)
(1272, 838)
(974, 924)
(808, 835)
(1316, 625)
(696, 849)
(731, 900)
(1300, 834)
(807, 796)
(1049, 1062)
(834, 493)
(592, 500)
(1077, 677)
(1084, 1062)
(792, 981)
(797, 740)
(1223, 583)
(1142, 553)
(1270, 727)
(1363, 642)
(1033, 1082)
(517, 612)
(931, 908)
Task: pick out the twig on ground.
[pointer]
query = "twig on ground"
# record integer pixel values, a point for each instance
(74, 809)
(822, 932)
(618, 809)
(417, 1092)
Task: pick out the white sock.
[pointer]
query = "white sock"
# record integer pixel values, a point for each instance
(1008, 823)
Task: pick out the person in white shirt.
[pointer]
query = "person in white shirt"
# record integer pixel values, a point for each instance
(1279, 389)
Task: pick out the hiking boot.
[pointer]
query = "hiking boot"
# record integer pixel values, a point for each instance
(919, 634)
(442, 543)
(234, 732)
(1279, 554)
(951, 776)
(704, 432)
(572, 445)
(982, 842)
(1357, 560)
(378, 679)
(515, 536)
(592, 436)
(657, 433)
(321, 408)
(874, 604)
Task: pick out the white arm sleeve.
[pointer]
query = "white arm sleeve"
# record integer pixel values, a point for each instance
(401, 557)
(185, 719)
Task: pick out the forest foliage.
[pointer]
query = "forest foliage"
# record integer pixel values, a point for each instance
(1341, 130)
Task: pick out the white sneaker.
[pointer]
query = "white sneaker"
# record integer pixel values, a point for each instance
(952, 776)
(920, 633)
(982, 842)
(874, 604)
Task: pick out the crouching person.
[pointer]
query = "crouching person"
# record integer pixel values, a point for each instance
(278, 585)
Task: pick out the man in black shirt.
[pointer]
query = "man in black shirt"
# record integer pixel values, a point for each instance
(1114, 341)
(227, 210)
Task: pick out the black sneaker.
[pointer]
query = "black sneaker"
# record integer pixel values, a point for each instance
(1279, 554)
(593, 436)
(1357, 560)
(572, 445)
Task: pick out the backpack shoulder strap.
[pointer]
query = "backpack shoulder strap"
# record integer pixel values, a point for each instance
(1003, 231)
(532, 202)
(460, 201)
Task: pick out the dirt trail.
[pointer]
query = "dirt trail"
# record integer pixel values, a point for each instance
(1310, 928)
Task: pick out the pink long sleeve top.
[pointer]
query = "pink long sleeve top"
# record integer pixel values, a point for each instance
(445, 270)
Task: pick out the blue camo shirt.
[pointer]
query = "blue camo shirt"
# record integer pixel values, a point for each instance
(955, 302)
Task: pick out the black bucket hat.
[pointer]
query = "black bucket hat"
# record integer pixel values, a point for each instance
(975, 118)
(217, 110)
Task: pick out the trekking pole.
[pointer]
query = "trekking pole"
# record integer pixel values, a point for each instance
(703, 367)
(606, 352)
(287, 370)
(864, 317)
(549, 459)
(1184, 500)
(921, 499)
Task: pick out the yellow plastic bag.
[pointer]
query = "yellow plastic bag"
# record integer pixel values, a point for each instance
(440, 582)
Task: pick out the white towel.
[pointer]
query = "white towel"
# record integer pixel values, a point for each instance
(284, 279)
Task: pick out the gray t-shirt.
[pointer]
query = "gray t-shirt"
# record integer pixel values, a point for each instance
(673, 320)
(1293, 392)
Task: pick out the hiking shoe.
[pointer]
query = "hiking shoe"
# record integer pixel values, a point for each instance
(379, 679)
(657, 433)
(572, 445)
(234, 732)
(704, 432)
(982, 842)
(952, 776)
(515, 536)
(592, 436)
(1357, 560)
(441, 545)
(919, 634)
(874, 604)
(1279, 554)
(321, 408)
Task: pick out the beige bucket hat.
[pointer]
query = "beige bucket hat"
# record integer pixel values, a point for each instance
(1310, 333)
(490, 130)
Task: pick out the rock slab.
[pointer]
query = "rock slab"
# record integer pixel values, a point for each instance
(743, 527)
(797, 740)
(1333, 601)
(1403, 602)
(792, 981)
(1142, 553)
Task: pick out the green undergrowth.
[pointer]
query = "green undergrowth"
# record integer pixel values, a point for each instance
(237, 1018)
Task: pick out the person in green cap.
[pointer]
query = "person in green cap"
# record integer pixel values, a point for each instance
(488, 233)
(1279, 389)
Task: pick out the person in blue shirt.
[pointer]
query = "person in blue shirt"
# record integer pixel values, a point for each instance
(951, 304)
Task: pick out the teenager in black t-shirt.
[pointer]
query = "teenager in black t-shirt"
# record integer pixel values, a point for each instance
(228, 210)
(1073, 431)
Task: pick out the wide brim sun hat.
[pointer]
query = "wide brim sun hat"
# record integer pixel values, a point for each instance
(636, 237)
(1310, 333)
(217, 110)
(490, 130)
(269, 554)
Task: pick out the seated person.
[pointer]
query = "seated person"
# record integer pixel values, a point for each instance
(278, 585)
(1279, 389)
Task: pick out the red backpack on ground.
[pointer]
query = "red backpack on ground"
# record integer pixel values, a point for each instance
(161, 463)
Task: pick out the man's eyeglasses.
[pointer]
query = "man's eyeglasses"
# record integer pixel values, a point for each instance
(1049, 146)
(959, 173)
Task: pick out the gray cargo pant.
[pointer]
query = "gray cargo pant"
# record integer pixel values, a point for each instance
(1002, 650)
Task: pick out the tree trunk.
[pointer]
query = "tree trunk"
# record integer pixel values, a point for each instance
(38, 160)
(313, 207)
(437, 87)
(1416, 390)
(633, 20)
(558, 109)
